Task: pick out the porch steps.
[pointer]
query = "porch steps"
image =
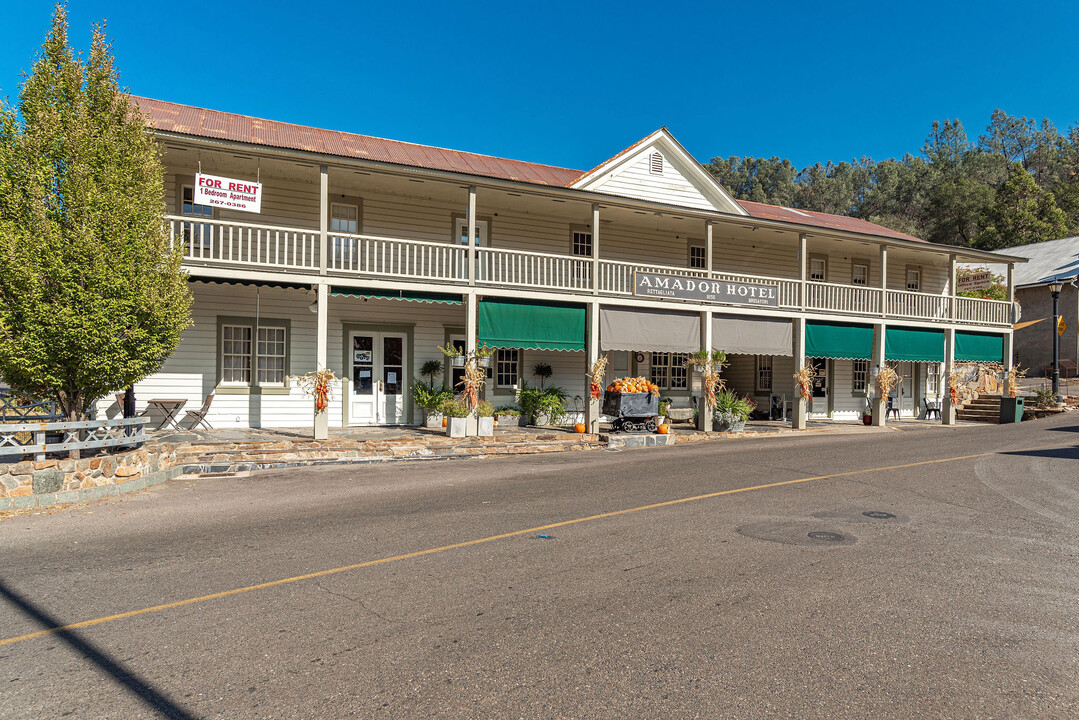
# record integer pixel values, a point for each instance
(985, 409)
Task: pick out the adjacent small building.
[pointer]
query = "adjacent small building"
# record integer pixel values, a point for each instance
(1052, 261)
(311, 248)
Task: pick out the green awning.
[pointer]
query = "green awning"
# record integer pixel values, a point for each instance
(839, 341)
(507, 324)
(978, 347)
(913, 344)
(409, 295)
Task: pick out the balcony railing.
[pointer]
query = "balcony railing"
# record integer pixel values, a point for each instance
(235, 244)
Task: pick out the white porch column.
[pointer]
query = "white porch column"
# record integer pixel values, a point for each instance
(883, 280)
(471, 312)
(322, 419)
(1011, 283)
(947, 413)
(708, 246)
(472, 244)
(323, 219)
(596, 248)
(953, 278)
(880, 404)
(704, 409)
(800, 406)
(803, 269)
(592, 411)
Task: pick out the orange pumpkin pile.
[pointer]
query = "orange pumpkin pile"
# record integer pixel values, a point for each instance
(633, 385)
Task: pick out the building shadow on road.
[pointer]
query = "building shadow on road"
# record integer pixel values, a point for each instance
(1070, 428)
(1064, 453)
(134, 684)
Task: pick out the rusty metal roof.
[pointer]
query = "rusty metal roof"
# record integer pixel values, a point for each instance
(200, 122)
(188, 120)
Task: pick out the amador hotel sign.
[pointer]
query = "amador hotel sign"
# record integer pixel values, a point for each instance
(648, 284)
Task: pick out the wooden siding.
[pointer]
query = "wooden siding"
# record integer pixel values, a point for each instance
(636, 180)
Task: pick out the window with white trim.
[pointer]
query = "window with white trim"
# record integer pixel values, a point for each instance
(914, 278)
(507, 367)
(932, 380)
(197, 233)
(818, 269)
(251, 358)
(344, 218)
(859, 377)
(668, 370)
(582, 243)
(764, 373)
(859, 273)
(271, 356)
(236, 354)
(698, 258)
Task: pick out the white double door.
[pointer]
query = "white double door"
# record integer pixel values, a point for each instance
(378, 394)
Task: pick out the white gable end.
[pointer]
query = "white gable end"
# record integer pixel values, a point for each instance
(660, 171)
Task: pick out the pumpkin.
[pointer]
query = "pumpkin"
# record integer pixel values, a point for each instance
(444, 422)
(663, 429)
(580, 428)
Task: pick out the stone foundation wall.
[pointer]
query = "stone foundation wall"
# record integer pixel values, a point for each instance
(37, 483)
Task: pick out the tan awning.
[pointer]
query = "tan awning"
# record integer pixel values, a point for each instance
(649, 330)
(738, 335)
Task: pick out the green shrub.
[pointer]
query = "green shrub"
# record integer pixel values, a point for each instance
(731, 403)
(542, 401)
(454, 408)
(485, 409)
(427, 398)
(507, 410)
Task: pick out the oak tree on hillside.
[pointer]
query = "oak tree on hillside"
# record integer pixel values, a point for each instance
(92, 296)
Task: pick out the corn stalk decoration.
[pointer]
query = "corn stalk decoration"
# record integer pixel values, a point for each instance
(887, 379)
(804, 378)
(1014, 374)
(475, 379)
(955, 386)
(595, 375)
(317, 384)
(709, 365)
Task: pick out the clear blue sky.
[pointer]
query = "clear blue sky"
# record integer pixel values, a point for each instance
(571, 83)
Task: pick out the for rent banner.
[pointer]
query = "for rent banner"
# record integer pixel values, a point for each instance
(228, 193)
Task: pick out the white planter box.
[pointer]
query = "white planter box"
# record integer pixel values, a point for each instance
(485, 427)
(508, 421)
(471, 426)
(433, 420)
(456, 427)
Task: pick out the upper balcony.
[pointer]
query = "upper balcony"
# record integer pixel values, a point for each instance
(224, 244)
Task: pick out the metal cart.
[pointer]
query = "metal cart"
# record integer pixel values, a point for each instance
(631, 412)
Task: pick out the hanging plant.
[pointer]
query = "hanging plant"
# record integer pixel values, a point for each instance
(804, 378)
(317, 384)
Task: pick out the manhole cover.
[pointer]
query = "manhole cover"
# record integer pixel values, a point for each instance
(826, 536)
(878, 515)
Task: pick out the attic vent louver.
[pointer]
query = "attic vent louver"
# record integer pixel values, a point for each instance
(655, 163)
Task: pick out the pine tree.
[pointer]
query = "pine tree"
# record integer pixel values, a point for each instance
(92, 296)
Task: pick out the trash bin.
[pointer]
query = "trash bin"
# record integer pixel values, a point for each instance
(1011, 410)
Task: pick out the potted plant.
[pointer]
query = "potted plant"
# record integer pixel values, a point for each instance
(430, 401)
(456, 357)
(507, 417)
(731, 411)
(483, 355)
(456, 412)
(867, 413)
(431, 369)
(543, 371)
(485, 417)
(544, 406)
(664, 406)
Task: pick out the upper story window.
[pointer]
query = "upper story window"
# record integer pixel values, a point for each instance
(344, 218)
(698, 259)
(582, 243)
(859, 273)
(189, 207)
(198, 234)
(914, 278)
(818, 269)
(655, 163)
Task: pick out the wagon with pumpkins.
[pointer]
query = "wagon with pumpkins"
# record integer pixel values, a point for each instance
(632, 404)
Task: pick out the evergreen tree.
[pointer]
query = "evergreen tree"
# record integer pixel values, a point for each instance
(92, 296)
(1022, 213)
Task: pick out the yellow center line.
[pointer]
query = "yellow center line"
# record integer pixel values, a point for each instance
(479, 541)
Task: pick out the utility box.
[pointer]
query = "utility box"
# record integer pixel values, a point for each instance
(1011, 410)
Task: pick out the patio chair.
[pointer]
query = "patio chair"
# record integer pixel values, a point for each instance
(194, 418)
(892, 410)
(930, 409)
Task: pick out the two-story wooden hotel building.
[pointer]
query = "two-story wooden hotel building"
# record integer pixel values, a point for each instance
(360, 260)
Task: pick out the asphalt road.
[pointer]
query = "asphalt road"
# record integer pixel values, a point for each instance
(963, 605)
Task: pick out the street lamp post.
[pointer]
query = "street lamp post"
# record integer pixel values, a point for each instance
(1055, 287)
